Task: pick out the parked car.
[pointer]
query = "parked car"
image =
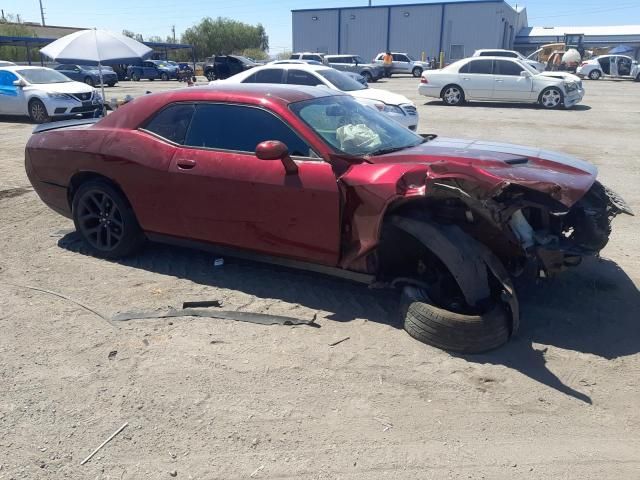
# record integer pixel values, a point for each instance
(225, 66)
(398, 107)
(403, 63)
(4, 63)
(44, 94)
(318, 57)
(354, 63)
(308, 177)
(499, 52)
(615, 66)
(184, 70)
(152, 70)
(88, 74)
(298, 62)
(500, 79)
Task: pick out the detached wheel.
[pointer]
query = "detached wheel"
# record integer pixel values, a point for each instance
(551, 98)
(595, 74)
(452, 95)
(105, 221)
(37, 111)
(453, 331)
(417, 72)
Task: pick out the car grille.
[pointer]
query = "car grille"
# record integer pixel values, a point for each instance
(83, 97)
(409, 110)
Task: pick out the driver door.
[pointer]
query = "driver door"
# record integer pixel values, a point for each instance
(12, 101)
(401, 63)
(228, 196)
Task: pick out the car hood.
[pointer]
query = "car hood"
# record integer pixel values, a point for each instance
(64, 87)
(563, 177)
(381, 96)
(569, 77)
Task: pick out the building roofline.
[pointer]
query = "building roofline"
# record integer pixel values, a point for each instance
(359, 7)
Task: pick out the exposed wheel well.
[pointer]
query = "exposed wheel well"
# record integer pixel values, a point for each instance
(82, 177)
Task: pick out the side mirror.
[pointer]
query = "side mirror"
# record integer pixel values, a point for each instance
(20, 83)
(275, 150)
(525, 74)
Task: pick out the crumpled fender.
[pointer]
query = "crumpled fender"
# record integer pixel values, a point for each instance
(467, 260)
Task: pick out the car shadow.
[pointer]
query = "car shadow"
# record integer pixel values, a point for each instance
(16, 119)
(522, 106)
(592, 309)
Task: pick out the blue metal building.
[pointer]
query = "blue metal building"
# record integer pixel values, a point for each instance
(455, 28)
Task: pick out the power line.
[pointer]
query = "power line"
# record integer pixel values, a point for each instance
(42, 14)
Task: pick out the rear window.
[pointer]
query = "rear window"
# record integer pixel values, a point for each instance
(268, 75)
(498, 54)
(172, 122)
(505, 67)
(300, 77)
(479, 66)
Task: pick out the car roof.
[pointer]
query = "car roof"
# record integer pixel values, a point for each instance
(344, 55)
(23, 67)
(495, 50)
(298, 66)
(134, 113)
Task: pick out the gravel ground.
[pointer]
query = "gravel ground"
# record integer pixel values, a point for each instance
(208, 398)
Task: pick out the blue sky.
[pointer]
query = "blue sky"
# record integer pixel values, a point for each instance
(156, 17)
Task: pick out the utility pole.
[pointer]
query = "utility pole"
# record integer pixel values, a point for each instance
(173, 29)
(42, 13)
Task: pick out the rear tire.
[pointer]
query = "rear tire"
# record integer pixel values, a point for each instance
(452, 95)
(38, 112)
(164, 77)
(595, 75)
(367, 76)
(453, 331)
(105, 220)
(417, 72)
(135, 77)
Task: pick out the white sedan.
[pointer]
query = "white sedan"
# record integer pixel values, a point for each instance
(43, 94)
(500, 52)
(616, 66)
(500, 79)
(398, 107)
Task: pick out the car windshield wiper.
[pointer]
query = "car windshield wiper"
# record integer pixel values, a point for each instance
(384, 151)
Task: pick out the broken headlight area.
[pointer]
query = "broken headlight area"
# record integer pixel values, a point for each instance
(559, 239)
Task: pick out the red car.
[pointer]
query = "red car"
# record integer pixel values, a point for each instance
(310, 178)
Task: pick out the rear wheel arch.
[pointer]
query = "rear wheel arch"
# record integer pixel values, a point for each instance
(80, 178)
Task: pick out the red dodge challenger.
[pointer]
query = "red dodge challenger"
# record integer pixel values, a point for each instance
(309, 178)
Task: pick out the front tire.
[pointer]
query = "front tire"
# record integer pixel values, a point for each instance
(595, 75)
(452, 95)
(89, 81)
(105, 220)
(211, 76)
(551, 98)
(453, 331)
(417, 72)
(164, 77)
(135, 77)
(37, 111)
(367, 77)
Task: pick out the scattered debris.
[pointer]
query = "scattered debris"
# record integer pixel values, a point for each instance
(202, 304)
(251, 317)
(339, 341)
(104, 443)
(173, 473)
(112, 354)
(59, 295)
(385, 424)
(255, 472)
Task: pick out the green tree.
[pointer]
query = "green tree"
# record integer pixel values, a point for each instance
(225, 36)
(255, 53)
(11, 26)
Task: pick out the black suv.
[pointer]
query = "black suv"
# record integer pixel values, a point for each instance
(225, 66)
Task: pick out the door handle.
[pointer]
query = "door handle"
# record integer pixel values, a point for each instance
(186, 164)
(498, 80)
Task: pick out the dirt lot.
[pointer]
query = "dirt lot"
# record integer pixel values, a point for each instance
(221, 399)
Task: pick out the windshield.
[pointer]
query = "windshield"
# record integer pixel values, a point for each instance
(352, 128)
(359, 59)
(43, 75)
(341, 81)
(243, 59)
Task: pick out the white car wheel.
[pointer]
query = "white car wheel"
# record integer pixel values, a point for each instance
(452, 95)
(594, 74)
(551, 98)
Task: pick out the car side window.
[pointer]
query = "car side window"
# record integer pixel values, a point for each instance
(241, 128)
(317, 58)
(269, 75)
(300, 77)
(172, 122)
(481, 66)
(505, 67)
(399, 58)
(7, 78)
(465, 68)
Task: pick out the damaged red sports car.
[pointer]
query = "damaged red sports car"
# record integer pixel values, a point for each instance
(307, 178)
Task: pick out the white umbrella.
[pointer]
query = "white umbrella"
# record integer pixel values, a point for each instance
(93, 47)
